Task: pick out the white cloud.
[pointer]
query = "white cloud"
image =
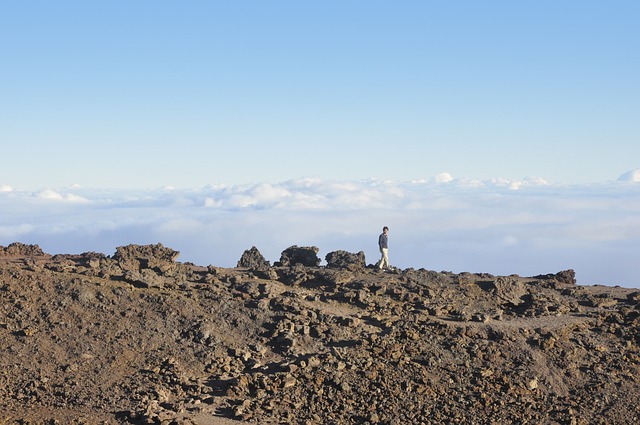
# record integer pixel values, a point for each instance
(473, 183)
(630, 176)
(443, 178)
(464, 225)
(536, 181)
(54, 195)
(212, 203)
(6, 188)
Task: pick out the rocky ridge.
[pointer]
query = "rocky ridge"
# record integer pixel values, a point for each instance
(138, 337)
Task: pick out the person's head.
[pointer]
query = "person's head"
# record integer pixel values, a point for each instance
(385, 229)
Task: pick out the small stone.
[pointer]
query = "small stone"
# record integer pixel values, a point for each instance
(289, 381)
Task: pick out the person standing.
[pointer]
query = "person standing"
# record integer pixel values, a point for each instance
(383, 244)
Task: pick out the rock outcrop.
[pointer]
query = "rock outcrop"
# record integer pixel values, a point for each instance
(306, 256)
(18, 249)
(565, 276)
(147, 265)
(346, 260)
(134, 257)
(253, 259)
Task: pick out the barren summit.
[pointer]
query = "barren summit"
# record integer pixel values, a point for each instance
(139, 338)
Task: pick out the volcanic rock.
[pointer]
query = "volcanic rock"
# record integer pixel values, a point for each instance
(510, 290)
(565, 276)
(253, 259)
(135, 257)
(21, 250)
(300, 255)
(346, 260)
(139, 338)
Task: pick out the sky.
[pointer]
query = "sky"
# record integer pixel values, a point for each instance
(115, 113)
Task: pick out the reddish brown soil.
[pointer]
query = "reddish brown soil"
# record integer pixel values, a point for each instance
(140, 338)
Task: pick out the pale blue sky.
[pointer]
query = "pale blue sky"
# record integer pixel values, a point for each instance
(153, 93)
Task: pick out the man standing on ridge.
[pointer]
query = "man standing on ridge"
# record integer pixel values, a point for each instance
(383, 244)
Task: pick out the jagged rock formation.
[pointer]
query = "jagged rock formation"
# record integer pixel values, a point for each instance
(300, 255)
(148, 265)
(252, 259)
(346, 260)
(22, 250)
(139, 338)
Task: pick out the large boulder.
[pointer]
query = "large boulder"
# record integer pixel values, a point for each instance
(252, 259)
(158, 253)
(346, 260)
(147, 265)
(303, 255)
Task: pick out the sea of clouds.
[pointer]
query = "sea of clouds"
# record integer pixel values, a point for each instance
(524, 227)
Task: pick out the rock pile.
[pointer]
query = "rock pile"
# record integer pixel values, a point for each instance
(18, 249)
(140, 338)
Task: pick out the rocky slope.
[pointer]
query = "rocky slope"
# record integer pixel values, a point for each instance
(138, 337)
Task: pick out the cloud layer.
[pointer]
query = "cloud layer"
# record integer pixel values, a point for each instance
(498, 226)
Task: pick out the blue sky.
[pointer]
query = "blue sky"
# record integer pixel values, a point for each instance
(490, 136)
(152, 93)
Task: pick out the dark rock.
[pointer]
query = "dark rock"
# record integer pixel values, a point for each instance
(566, 276)
(253, 259)
(346, 260)
(634, 297)
(303, 255)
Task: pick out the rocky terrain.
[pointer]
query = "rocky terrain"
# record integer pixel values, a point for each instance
(139, 338)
